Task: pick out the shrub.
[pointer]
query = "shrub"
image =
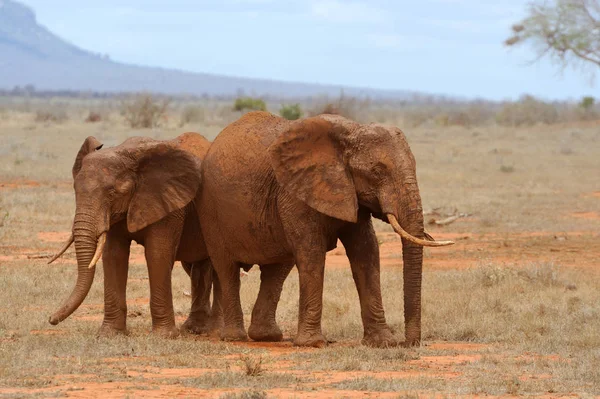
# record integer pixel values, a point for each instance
(345, 106)
(252, 366)
(330, 109)
(144, 111)
(252, 394)
(56, 116)
(249, 103)
(587, 103)
(291, 112)
(191, 114)
(93, 117)
(527, 111)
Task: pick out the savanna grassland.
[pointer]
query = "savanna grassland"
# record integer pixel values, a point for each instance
(513, 309)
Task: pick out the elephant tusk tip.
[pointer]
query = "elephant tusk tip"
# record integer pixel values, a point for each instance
(427, 242)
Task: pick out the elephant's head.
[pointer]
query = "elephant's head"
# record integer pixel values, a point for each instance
(336, 166)
(141, 180)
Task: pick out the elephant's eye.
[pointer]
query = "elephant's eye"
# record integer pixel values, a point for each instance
(124, 186)
(379, 168)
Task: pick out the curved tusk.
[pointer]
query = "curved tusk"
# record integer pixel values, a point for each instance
(64, 248)
(424, 243)
(99, 248)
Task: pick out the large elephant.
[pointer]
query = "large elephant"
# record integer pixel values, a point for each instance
(143, 190)
(287, 191)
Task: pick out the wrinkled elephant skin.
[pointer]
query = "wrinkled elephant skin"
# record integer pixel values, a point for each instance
(278, 193)
(143, 190)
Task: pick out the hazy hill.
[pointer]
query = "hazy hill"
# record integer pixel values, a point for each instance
(31, 54)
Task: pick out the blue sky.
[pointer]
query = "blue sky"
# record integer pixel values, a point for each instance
(449, 47)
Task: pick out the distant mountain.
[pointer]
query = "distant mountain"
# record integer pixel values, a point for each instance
(32, 55)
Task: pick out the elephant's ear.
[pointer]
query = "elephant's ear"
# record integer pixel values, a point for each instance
(307, 161)
(167, 180)
(90, 144)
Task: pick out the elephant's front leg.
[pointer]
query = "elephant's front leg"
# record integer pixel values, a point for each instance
(362, 249)
(160, 250)
(115, 261)
(198, 321)
(310, 260)
(264, 325)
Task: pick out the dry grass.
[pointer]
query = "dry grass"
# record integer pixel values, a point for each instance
(253, 366)
(516, 324)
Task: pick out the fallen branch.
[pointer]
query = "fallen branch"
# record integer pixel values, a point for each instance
(446, 221)
(39, 256)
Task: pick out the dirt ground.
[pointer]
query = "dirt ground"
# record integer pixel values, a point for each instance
(513, 309)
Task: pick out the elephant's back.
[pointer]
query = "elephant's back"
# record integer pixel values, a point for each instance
(245, 141)
(238, 191)
(194, 143)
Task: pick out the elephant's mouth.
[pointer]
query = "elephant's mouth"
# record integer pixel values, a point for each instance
(380, 216)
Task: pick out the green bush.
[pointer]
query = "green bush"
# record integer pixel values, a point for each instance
(587, 103)
(291, 112)
(249, 103)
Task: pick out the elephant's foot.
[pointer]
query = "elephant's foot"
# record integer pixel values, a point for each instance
(233, 333)
(108, 331)
(382, 338)
(313, 340)
(411, 343)
(216, 325)
(166, 332)
(266, 332)
(194, 326)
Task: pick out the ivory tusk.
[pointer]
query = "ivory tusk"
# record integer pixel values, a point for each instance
(64, 248)
(99, 248)
(402, 233)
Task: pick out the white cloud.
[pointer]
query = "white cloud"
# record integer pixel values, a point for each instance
(345, 12)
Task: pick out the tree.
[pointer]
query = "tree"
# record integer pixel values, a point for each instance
(567, 31)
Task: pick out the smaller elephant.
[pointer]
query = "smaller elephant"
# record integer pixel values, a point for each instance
(142, 190)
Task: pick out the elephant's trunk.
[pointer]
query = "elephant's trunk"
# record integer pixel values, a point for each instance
(85, 237)
(412, 256)
(404, 212)
(410, 215)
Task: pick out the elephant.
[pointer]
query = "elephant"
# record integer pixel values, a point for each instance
(143, 190)
(278, 192)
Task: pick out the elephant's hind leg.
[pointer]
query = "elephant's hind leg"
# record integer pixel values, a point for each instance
(263, 326)
(228, 275)
(199, 319)
(115, 262)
